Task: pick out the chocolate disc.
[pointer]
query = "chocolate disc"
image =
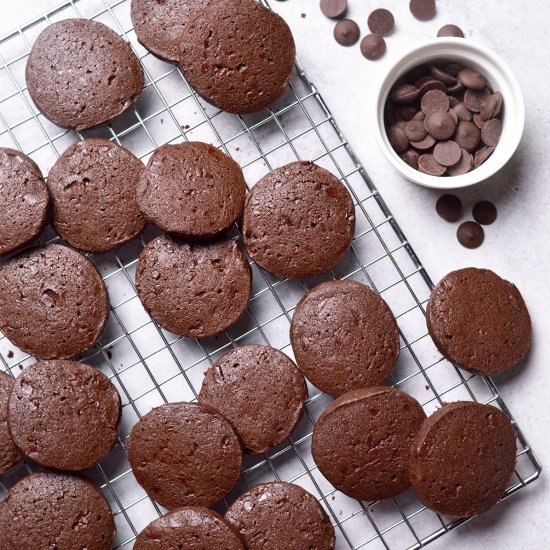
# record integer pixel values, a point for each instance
(381, 21)
(472, 79)
(441, 125)
(424, 145)
(447, 153)
(334, 8)
(407, 112)
(346, 32)
(475, 99)
(398, 138)
(462, 112)
(415, 130)
(373, 46)
(467, 135)
(434, 100)
(463, 166)
(445, 77)
(428, 165)
(449, 207)
(482, 155)
(450, 30)
(411, 158)
(492, 106)
(491, 132)
(405, 93)
(470, 235)
(422, 9)
(485, 212)
(429, 83)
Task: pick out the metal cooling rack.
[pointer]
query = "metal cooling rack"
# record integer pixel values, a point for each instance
(151, 366)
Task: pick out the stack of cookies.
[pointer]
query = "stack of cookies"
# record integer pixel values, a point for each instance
(297, 222)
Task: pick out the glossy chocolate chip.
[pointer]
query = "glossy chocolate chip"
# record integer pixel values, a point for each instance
(484, 212)
(346, 32)
(447, 153)
(424, 145)
(472, 79)
(381, 21)
(440, 74)
(373, 47)
(398, 138)
(428, 165)
(434, 100)
(470, 234)
(449, 207)
(463, 166)
(440, 125)
(467, 135)
(450, 30)
(405, 93)
(492, 106)
(334, 8)
(422, 9)
(491, 132)
(475, 99)
(482, 155)
(415, 130)
(411, 158)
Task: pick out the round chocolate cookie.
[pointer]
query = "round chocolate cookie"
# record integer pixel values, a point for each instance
(273, 516)
(193, 290)
(479, 321)
(53, 302)
(9, 453)
(463, 458)
(191, 528)
(55, 511)
(191, 190)
(260, 391)
(160, 23)
(93, 188)
(80, 73)
(54, 400)
(298, 221)
(24, 200)
(185, 454)
(221, 56)
(344, 337)
(361, 442)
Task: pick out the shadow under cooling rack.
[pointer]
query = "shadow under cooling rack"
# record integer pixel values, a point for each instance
(151, 366)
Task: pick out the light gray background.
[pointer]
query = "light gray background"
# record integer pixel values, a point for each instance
(516, 246)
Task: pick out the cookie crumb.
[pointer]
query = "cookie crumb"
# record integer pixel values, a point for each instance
(10, 354)
(185, 126)
(303, 15)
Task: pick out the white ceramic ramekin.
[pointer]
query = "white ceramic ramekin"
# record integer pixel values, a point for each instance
(499, 76)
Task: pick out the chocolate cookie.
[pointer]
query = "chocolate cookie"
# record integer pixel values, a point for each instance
(193, 290)
(9, 453)
(479, 321)
(53, 302)
(93, 188)
(191, 190)
(159, 24)
(260, 391)
(298, 221)
(54, 401)
(237, 55)
(80, 73)
(185, 454)
(344, 337)
(190, 528)
(55, 511)
(23, 200)
(361, 442)
(463, 458)
(273, 516)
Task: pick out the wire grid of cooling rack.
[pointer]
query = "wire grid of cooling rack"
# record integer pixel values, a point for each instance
(151, 366)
